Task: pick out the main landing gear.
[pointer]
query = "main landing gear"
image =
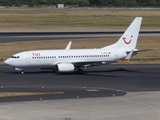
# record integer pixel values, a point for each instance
(80, 71)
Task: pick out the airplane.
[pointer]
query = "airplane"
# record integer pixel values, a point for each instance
(75, 60)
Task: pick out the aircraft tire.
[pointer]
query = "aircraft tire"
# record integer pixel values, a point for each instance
(22, 72)
(80, 71)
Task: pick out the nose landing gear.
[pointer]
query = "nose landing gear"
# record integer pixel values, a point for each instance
(22, 72)
(20, 69)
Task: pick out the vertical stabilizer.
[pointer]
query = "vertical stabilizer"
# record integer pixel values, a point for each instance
(129, 39)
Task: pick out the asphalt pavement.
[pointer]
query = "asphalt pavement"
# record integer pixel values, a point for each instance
(102, 81)
(30, 36)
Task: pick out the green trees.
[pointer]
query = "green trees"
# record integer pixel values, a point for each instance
(99, 3)
(126, 3)
(43, 2)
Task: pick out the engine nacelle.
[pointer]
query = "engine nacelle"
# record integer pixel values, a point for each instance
(65, 67)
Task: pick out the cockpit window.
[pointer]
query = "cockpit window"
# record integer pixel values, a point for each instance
(15, 57)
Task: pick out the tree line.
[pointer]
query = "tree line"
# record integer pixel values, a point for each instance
(93, 3)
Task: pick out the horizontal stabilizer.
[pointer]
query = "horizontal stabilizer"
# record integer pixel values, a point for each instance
(145, 50)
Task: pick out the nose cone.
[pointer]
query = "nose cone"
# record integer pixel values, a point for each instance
(8, 62)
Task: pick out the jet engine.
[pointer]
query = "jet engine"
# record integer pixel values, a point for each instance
(65, 67)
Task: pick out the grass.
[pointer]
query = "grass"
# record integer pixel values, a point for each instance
(64, 20)
(8, 49)
(17, 94)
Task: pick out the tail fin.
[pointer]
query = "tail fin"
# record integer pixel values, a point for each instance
(129, 39)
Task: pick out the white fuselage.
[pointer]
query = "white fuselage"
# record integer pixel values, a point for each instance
(50, 58)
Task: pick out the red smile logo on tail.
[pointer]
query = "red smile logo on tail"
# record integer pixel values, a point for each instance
(128, 41)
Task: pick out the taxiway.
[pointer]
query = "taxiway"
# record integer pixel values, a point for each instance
(140, 82)
(114, 79)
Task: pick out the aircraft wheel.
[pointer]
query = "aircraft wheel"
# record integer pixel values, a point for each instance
(80, 71)
(22, 72)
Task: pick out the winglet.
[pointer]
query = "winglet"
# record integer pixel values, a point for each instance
(68, 46)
